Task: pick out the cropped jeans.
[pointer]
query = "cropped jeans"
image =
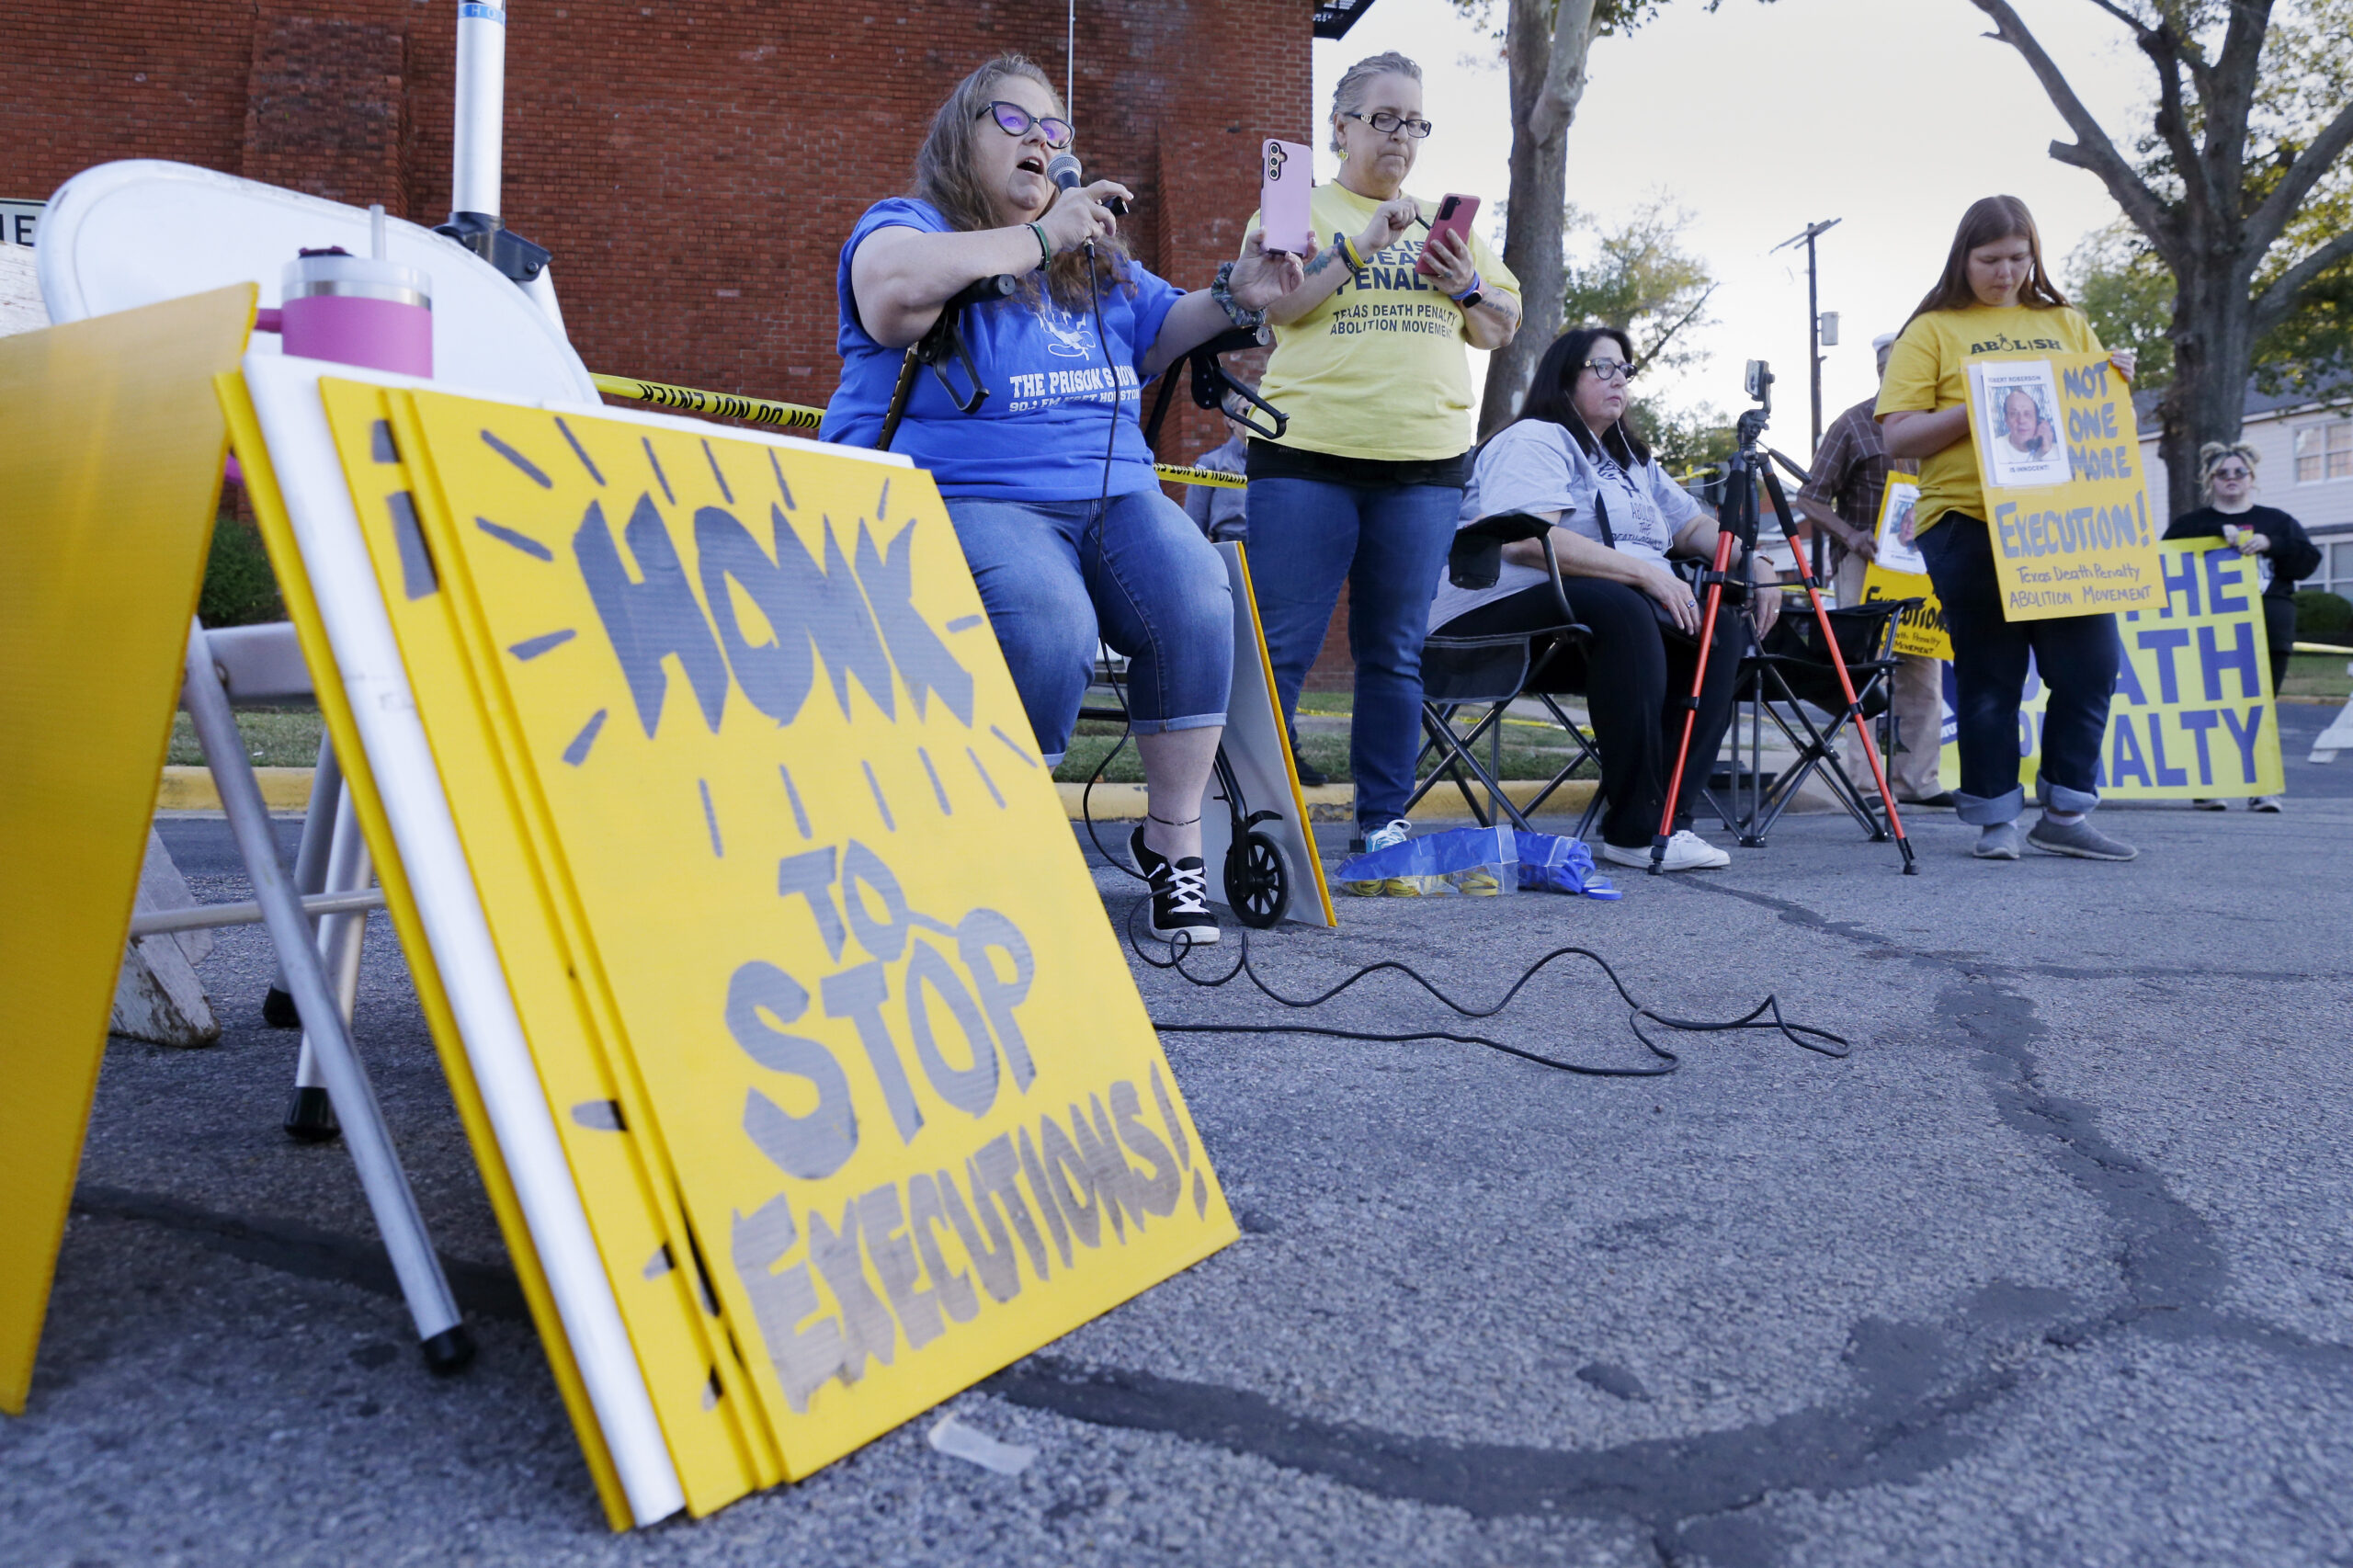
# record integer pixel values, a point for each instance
(1389, 544)
(2075, 654)
(1146, 582)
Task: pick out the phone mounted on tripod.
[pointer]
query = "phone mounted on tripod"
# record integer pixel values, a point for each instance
(1751, 470)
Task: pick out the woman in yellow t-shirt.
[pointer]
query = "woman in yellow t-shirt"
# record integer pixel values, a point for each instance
(1371, 367)
(1995, 301)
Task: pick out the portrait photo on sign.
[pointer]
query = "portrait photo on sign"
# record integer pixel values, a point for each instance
(1898, 550)
(2018, 431)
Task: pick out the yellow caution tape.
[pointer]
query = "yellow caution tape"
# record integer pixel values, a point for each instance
(1215, 479)
(800, 416)
(724, 405)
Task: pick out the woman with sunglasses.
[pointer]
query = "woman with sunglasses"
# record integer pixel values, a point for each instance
(1996, 301)
(1048, 484)
(2276, 539)
(1371, 366)
(1617, 518)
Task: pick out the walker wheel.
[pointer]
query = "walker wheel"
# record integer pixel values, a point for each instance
(1258, 887)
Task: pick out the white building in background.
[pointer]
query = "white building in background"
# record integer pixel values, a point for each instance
(2306, 471)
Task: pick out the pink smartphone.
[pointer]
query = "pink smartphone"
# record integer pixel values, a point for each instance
(1285, 178)
(1454, 215)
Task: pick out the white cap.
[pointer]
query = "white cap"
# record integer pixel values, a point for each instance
(1880, 344)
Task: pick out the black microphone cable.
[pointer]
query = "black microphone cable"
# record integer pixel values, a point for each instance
(1766, 1014)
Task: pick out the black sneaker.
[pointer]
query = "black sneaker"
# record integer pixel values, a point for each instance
(1180, 905)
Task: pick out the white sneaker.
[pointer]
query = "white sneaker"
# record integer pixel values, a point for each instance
(1687, 851)
(1387, 837)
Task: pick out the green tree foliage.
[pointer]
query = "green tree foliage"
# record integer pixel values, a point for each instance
(1546, 44)
(239, 587)
(1683, 439)
(2238, 190)
(1638, 277)
(2127, 290)
(2128, 293)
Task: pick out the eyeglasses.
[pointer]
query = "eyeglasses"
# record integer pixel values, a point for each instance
(2230, 473)
(1015, 120)
(1387, 123)
(1611, 370)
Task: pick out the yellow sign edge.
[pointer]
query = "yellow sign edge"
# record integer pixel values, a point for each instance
(301, 606)
(757, 1454)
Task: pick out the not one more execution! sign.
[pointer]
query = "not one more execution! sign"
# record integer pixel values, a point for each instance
(2058, 455)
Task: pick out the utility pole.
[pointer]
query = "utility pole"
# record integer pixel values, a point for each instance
(1809, 233)
(1812, 233)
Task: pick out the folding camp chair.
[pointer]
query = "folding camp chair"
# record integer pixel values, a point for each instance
(1789, 680)
(1493, 671)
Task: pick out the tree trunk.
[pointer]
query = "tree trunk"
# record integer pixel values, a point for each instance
(2213, 342)
(1538, 203)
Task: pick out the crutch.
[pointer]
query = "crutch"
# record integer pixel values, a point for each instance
(310, 1114)
(440, 1332)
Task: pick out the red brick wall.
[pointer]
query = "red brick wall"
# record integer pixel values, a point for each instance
(693, 164)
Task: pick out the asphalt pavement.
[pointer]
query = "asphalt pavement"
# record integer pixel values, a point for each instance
(2056, 1267)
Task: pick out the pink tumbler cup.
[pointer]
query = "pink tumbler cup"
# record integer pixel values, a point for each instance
(356, 310)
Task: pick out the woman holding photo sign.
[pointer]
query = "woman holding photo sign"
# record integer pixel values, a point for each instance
(1996, 305)
(1370, 365)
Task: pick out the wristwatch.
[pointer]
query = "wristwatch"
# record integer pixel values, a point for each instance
(1471, 299)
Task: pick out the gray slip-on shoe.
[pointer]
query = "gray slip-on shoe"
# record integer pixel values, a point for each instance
(1999, 841)
(2078, 838)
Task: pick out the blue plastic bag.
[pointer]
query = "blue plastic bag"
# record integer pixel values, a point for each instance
(1550, 863)
(1468, 856)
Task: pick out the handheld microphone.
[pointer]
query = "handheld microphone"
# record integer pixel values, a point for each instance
(1063, 171)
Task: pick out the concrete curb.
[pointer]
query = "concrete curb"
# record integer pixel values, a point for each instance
(187, 789)
(1336, 802)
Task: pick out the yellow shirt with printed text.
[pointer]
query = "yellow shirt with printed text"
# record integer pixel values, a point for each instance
(1928, 371)
(1381, 370)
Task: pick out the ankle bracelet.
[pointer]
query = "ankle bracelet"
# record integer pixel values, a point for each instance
(1163, 822)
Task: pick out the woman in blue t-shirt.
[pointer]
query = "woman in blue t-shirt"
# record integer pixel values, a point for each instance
(1050, 484)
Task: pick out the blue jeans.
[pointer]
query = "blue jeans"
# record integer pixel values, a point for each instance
(2075, 654)
(1307, 537)
(1146, 582)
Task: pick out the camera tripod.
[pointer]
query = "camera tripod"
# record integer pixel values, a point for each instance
(1752, 465)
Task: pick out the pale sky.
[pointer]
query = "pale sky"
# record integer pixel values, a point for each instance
(1892, 115)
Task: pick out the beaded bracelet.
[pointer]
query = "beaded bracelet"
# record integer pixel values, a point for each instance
(1221, 290)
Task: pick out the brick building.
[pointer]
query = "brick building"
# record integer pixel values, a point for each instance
(694, 165)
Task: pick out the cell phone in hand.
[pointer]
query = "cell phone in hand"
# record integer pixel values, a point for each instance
(1286, 179)
(1454, 215)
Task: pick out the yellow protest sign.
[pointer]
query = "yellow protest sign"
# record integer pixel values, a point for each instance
(882, 1106)
(110, 455)
(627, 1191)
(1897, 571)
(2193, 713)
(2059, 456)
